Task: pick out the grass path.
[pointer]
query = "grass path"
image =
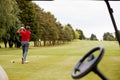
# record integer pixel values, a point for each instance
(57, 63)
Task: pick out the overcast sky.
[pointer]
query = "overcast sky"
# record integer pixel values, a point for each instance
(89, 16)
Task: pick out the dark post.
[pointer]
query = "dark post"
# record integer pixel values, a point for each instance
(113, 21)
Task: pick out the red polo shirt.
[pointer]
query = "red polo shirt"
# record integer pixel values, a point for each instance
(25, 35)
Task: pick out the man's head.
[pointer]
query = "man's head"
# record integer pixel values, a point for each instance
(27, 27)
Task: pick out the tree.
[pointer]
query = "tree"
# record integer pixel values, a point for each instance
(81, 37)
(108, 37)
(60, 32)
(46, 28)
(39, 24)
(69, 32)
(53, 31)
(93, 37)
(9, 20)
(76, 34)
(72, 31)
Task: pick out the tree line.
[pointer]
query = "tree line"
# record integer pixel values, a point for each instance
(44, 26)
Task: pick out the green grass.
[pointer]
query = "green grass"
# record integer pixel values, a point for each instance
(57, 63)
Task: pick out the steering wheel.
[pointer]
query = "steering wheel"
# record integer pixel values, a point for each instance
(89, 63)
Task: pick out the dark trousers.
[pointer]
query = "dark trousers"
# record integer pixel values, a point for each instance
(25, 46)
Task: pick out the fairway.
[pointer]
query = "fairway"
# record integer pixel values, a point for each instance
(57, 63)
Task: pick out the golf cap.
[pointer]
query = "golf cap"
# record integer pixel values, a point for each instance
(22, 28)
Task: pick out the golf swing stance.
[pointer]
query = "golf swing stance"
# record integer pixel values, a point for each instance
(25, 38)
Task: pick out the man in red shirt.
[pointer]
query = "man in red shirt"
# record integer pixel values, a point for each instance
(25, 38)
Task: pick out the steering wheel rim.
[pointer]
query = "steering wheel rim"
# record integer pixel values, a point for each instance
(86, 67)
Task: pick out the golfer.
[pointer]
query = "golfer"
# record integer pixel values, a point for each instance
(25, 38)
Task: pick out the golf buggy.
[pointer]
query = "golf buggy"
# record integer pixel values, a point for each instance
(89, 61)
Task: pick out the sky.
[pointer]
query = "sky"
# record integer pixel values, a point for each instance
(91, 17)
